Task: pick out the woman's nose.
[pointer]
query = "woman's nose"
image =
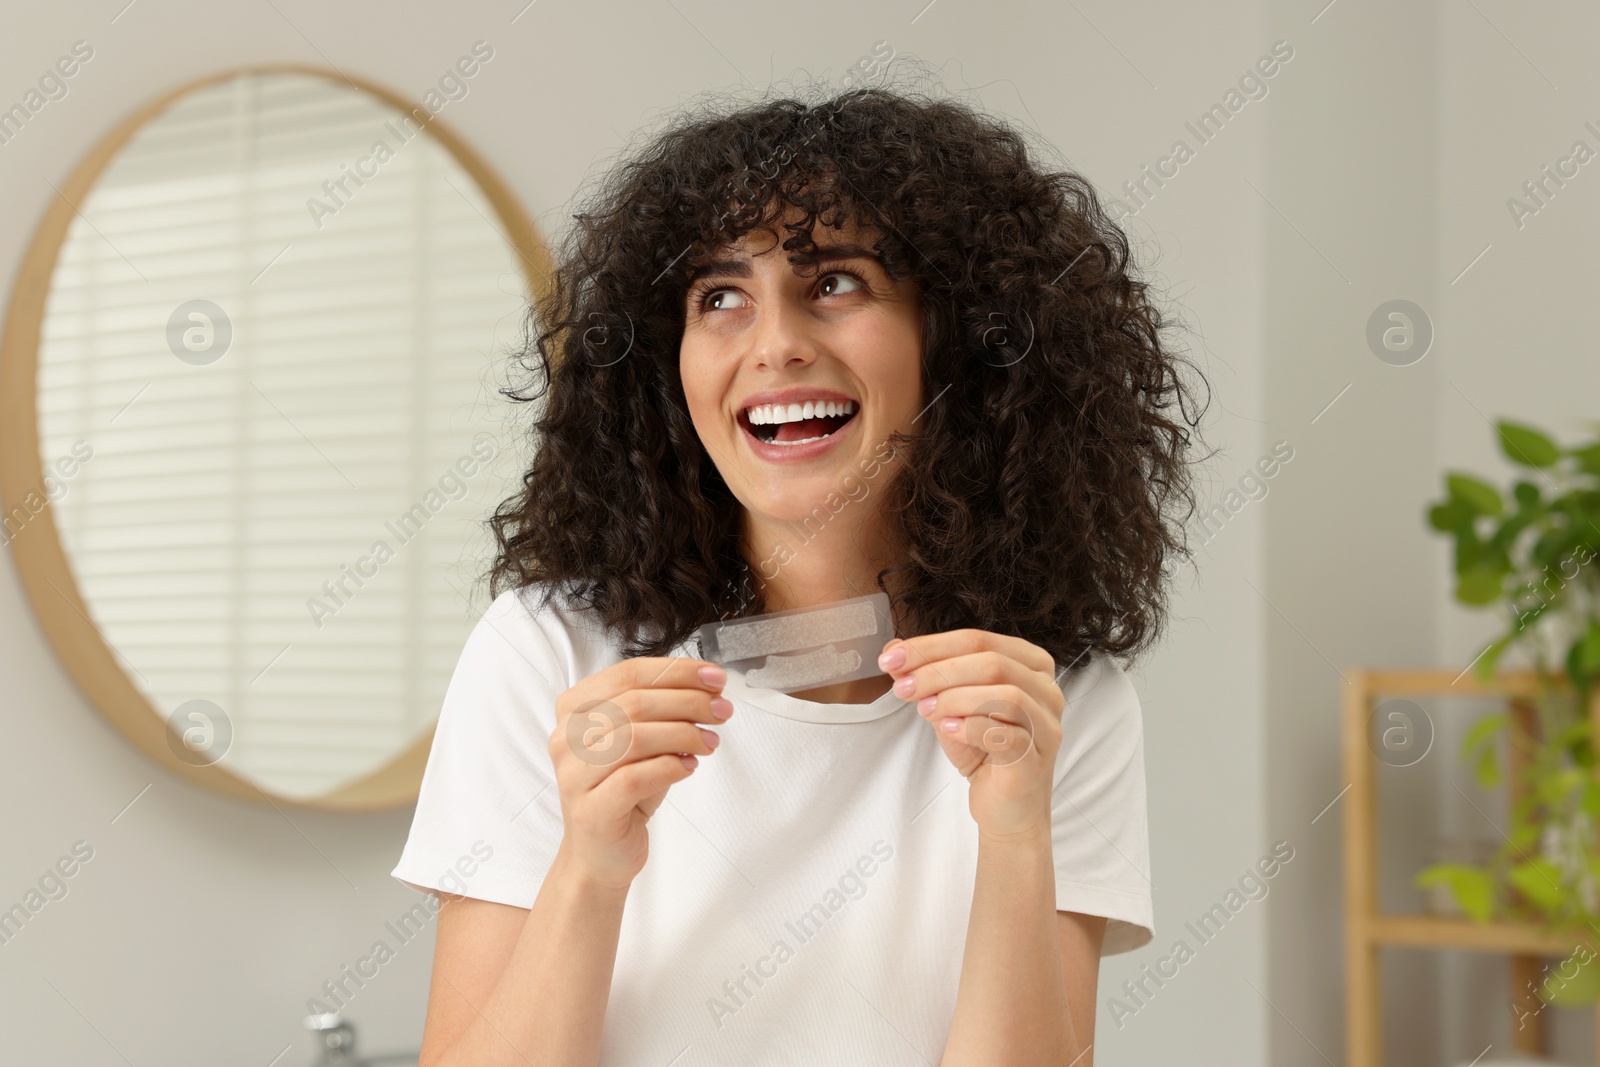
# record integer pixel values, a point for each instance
(782, 336)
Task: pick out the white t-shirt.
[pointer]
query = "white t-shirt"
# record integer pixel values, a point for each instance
(808, 887)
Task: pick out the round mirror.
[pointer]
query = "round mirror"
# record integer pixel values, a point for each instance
(252, 427)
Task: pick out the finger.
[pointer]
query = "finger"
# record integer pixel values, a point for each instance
(1002, 743)
(927, 648)
(994, 719)
(594, 754)
(977, 668)
(1004, 703)
(600, 731)
(644, 784)
(651, 672)
(665, 705)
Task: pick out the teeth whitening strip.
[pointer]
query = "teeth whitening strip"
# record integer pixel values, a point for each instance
(805, 647)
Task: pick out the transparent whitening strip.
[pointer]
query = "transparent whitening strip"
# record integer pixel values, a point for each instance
(805, 647)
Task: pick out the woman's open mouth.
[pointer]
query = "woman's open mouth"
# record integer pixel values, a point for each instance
(788, 425)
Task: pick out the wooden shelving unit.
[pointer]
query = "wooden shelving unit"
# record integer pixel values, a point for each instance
(1367, 931)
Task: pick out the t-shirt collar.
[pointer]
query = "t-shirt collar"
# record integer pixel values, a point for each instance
(793, 707)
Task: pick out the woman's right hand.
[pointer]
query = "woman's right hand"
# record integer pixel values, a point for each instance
(623, 736)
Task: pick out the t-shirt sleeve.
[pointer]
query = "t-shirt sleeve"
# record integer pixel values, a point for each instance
(1100, 831)
(488, 817)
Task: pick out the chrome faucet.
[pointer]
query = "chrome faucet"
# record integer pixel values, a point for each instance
(336, 1044)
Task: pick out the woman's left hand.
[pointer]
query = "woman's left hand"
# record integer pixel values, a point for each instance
(994, 704)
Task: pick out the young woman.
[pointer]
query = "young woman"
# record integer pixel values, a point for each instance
(795, 355)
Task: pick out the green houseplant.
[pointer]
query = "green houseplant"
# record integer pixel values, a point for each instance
(1528, 554)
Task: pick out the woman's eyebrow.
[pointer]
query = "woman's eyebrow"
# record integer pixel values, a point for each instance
(740, 268)
(734, 268)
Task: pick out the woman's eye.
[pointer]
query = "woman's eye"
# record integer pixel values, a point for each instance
(719, 300)
(830, 282)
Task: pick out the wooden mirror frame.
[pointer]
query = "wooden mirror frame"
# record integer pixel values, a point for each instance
(40, 555)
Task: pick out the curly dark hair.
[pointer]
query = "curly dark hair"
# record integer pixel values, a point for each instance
(1047, 486)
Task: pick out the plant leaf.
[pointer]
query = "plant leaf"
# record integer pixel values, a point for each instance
(1477, 494)
(1539, 881)
(1526, 494)
(1523, 837)
(1487, 771)
(1591, 798)
(1553, 787)
(1482, 584)
(1480, 739)
(1483, 670)
(1589, 649)
(1526, 616)
(1450, 516)
(1470, 886)
(1526, 446)
(1484, 729)
(1588, 457)
(1583, 656)
(1574, 982)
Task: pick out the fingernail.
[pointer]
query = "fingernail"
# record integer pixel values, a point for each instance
(904, 687)
(721, 707)
(950, 726)
(893, 659)
(926, 704)
(713, 675)
(712, 740)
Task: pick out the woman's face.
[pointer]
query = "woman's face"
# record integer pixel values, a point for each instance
(795, 379)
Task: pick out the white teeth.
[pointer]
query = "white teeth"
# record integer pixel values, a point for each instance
(771, 414)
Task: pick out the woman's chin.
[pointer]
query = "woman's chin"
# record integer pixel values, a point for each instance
(803, 501)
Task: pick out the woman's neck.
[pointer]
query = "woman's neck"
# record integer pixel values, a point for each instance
(802, 567)
(860, 691)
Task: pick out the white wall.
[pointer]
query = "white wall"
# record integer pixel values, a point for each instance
(1203, 697)
(1518, 334)
(201, 926)
(1350, 569)
(1394, 159)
